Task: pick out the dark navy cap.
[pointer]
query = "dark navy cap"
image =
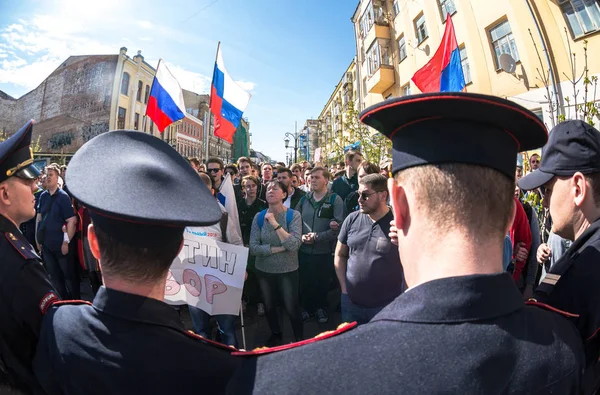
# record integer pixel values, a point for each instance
(574, 146)
(436, 128)
(139, 189)
(16, 155)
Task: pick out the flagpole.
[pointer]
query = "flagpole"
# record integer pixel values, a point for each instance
(207, 117)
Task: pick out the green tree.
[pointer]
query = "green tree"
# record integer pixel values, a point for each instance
(374, 146)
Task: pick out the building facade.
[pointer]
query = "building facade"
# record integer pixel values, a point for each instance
(333, 135)
(513, 49)
(89, 95)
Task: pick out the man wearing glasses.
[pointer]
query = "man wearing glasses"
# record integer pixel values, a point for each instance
(215, 168)
(25, 289)
(366, 263)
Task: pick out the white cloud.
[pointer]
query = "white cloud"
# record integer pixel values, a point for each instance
(145, 24)
(189, 80)
(246, 85)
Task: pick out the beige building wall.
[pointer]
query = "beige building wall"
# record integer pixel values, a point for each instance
(473, 21)
(333, 117)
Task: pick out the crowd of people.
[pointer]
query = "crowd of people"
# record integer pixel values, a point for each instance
(460, 271)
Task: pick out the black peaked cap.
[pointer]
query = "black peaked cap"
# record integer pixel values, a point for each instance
(16, 156)
(457, 127)
(138, 188)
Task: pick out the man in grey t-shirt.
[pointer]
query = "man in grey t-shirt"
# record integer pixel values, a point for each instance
(367, 265)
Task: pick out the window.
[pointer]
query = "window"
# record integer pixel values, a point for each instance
(420, 28)
(121, 118)
(388, 96)
(378, 54)
(147, 94)
(447, 7)
(396, 8)
(503, 42)
(364, 87)
(406, 90)
(136, 122)
(583, 16)
(151, 127)
(138, 96)
(366, 21)
(125, 84)
(464, 61)
(539, 113)
(402, 48)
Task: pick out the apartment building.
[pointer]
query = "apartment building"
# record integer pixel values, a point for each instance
(508, 48)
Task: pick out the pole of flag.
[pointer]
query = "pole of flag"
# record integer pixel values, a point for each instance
(207, 116)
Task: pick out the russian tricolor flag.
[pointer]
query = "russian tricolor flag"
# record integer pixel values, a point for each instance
(227, 101)
(443, 73)
(165, 104)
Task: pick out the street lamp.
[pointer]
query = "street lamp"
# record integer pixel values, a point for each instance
(295, 136)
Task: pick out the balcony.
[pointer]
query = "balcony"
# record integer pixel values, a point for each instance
(383, 79)
(377, 31)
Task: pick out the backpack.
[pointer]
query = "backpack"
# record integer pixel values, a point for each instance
(261, 217)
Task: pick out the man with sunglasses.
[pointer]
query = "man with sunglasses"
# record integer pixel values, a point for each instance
(25, 289)
(215, 168)
(366, 263)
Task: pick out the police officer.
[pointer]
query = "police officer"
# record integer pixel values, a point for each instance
(128, 340)
(570, 177)
(25, 289)
(462, 326)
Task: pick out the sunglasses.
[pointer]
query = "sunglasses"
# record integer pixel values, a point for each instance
(366, 196)
(214, 170)
(535, 161)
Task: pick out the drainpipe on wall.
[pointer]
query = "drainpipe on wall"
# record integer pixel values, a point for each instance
(555, 88)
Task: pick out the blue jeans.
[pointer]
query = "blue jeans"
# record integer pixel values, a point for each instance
(200, 323)
(353, 312)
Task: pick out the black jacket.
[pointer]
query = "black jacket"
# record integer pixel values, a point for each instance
(25, 295)
(459, 335)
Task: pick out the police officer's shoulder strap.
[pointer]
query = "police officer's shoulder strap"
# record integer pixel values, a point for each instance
(222, 346)
(74, 302)
(566, 314)
(344, 327)
(21, 244)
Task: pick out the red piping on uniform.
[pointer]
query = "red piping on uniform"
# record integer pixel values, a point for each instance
(480, 100)
(214, 343)
(595, 333)
(544, 305)
(412, 123)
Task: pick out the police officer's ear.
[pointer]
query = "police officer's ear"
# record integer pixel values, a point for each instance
(399, 204)
(4, 193)
(580, 189)
(93, 241)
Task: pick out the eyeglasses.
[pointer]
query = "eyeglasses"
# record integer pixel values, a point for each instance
(366, 196)
(214, 170)
(535, 161)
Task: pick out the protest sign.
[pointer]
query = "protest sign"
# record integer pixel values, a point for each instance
(207, 274)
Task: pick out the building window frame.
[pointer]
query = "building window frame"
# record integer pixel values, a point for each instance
(406, 91)
(582, 16)
(446, 7)
(121, 117)
(464, 62)
(378, 54)
(147, 95)
(502, 41)
(420, 26)
(125, 84)
(140, 87)
(402, 49)
(136, 121)
(396, 8)
(366, 20)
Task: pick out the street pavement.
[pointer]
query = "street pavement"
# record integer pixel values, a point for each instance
(256, 328)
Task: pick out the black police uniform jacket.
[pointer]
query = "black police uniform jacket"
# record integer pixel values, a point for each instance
(573, 285)
(459, 335)
(25, 295)
(126, 344)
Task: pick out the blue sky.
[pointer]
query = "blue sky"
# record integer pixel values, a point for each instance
(289, 54)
